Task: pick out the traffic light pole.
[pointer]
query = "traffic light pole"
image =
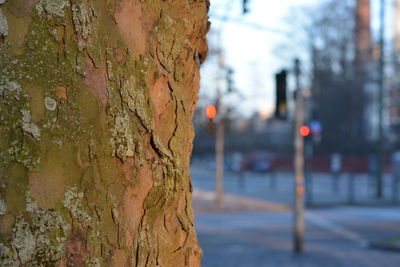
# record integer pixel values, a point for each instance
(219, 138)
(219, 158)
(299, 188)
(379, 177)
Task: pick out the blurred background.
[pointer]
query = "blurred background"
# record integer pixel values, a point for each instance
(296, 159)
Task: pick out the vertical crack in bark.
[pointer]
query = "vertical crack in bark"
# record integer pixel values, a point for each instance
(147, 259)
(165, 222)
(159, 59)
(176, 126)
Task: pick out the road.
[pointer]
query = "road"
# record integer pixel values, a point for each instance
(279, 187)
(335, 236)
(264, 239)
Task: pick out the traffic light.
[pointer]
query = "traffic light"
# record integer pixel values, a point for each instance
(229, 80)
(316, 130)
(281, 99)
(211, 112)
(305, 131)
(245, 6)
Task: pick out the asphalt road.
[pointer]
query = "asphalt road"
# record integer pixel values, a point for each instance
(335, 236)
(264, 239)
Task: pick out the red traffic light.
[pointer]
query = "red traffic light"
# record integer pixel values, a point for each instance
(305, 131)
(211, 111)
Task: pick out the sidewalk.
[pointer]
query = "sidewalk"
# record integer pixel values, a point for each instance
(204, 202)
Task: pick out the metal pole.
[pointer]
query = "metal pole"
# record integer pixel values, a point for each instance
(309, 189)
(396, 28)
(299, 166)
(219, 140)
(219, 156)
(379, 182)
(308, 172)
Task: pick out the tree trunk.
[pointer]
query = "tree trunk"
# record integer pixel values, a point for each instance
(96, 102)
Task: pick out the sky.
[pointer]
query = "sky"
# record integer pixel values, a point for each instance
(250, 46)
(249, 43)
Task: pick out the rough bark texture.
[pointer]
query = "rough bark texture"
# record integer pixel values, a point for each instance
(96, 101)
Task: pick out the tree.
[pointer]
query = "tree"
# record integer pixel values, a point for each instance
(340, 61)
(327, 35)
(96, 101)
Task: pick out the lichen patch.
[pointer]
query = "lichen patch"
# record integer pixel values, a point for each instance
(3, 24)
(122, 137)
(24, 241)
(73, 201)
(83, 16)
(50, 103)
(28, 125)
(52, 7)
(39, 242)
(3, 207)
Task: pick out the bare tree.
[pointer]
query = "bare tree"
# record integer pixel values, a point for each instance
(327, 34)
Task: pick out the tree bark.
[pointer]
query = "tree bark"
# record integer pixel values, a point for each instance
(96, 102)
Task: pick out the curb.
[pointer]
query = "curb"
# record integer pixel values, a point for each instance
(388, 246)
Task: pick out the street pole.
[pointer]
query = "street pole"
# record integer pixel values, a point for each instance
(219, 156)
(379, 176)
(299, 166)
(396, 30)
(219, 138)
